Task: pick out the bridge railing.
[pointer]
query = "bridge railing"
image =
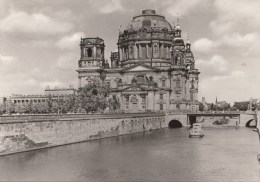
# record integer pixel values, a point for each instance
(202, 112)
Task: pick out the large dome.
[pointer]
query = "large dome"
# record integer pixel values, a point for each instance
(149, 20)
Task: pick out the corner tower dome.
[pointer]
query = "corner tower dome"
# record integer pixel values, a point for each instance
(149, 19)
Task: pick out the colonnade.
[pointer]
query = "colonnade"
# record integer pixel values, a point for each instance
(93, 51)
(145, 50)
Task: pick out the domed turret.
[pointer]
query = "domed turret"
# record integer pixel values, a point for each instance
(146, 40)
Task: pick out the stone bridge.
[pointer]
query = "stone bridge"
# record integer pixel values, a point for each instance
(209, 119)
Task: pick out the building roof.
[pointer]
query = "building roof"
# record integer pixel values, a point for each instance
(149, 19)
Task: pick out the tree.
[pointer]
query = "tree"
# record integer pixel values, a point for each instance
(212, 108)
(201, 107)
(11, 107)
(113, 103)
(92, 97)
(233, 108)
(19, 108)
(70, 104)
(55, 107)
(2, 109)
(49, 103)
(28, 107)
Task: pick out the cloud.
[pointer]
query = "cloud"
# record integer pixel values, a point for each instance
(235, 15)
(6, 63)
(215, 66)
(243, 64)
(228, 87)
(204, 45)
(36, 23)
(53, 84)
(70, 42)
(107, 6)
(68, 61)
(181, 7)
(237, 40)
(6, 59)
(247, 44)
(233, 75)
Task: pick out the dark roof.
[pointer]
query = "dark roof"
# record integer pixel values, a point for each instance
(149, 19)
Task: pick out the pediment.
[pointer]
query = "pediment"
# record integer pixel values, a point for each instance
(139, 67)
(134, 88)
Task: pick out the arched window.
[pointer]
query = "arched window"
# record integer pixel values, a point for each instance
(178, 82)
(89, 52)
(155, 48)
(192, 84)
(163, 83)
(178, 60)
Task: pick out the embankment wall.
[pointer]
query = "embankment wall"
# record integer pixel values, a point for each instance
(24, 135)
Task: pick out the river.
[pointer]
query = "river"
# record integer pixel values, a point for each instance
(224, 154)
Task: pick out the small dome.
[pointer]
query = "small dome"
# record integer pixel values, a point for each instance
(149, 19)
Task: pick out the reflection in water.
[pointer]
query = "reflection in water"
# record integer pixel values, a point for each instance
(162, 155)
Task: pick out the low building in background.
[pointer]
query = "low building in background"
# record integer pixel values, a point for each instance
(54, 95)
(242, 106)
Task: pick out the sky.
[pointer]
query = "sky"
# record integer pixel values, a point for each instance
(39, 41)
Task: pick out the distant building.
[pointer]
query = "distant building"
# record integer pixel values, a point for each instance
(242, 106)
(60, 91)
(54, 94)
(222, 104)
(252, 104)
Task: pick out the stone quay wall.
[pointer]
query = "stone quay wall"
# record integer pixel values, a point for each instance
(31, 133)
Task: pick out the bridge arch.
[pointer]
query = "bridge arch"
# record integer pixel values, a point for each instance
(251, 123)
(175, 124)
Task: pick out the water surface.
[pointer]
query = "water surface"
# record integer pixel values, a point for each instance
(224, 154)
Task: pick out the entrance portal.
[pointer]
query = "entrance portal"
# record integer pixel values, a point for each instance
(175, 124)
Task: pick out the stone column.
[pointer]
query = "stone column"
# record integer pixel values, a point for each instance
(94, 51)
(79, 81)
(150, 100)
(147, 50)
(168, 101)
(140, 51)
(121, 102)
(162, 48)
(82, 51)
(120, 54)
(135, 52)
(102, 53)
(127, 53)
(166, 52)
(159, 51)
(124, 54)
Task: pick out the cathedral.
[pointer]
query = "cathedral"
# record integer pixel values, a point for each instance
(152, 69)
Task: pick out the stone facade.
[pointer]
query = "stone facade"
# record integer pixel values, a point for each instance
(153, 69)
